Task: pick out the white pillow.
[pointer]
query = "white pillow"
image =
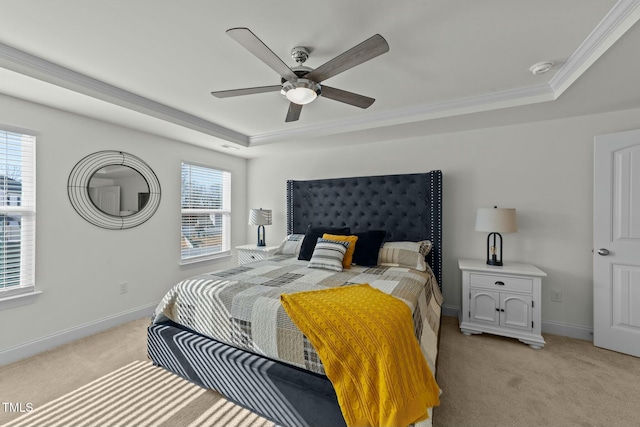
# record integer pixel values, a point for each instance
(405, 254)
(328, 254)
(290, 245)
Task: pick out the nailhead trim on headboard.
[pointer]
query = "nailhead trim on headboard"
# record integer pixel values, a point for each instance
(408, 207)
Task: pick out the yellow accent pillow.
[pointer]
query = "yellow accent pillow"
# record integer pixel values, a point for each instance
(348, 257)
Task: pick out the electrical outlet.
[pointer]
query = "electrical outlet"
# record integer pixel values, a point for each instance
(124, 287)
(556, 295)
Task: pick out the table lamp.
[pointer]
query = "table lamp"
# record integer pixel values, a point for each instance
(260, 217)
(496, 220)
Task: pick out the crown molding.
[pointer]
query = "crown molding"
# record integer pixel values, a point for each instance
(32, 66)
(618, 20)
(623, 15)
(457, 107)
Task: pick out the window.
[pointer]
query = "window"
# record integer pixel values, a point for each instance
(206, 213)
(17, 214)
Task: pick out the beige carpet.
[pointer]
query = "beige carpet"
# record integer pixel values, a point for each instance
(139, 395)
(67, 374)
(494, 381)
(486, 381)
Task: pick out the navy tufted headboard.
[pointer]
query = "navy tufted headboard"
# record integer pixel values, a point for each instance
(408, 207)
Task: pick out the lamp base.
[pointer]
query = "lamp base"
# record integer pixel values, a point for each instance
(492, 249)
(261, 238)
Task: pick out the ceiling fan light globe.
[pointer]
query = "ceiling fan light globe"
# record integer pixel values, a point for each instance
(301, 95)
(300, 92)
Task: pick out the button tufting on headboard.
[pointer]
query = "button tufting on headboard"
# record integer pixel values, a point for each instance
(408, 207)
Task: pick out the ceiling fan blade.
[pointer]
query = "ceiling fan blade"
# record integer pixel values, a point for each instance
(294, 112)
(347, 97)
(368, 49)
(245, 91)
(253, 44)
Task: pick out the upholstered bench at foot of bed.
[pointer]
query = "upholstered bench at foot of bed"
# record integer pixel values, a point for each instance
(282, 393)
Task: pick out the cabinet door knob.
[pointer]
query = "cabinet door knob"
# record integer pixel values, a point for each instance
(499, 283)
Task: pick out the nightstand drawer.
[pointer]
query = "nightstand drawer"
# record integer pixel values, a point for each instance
(245, 257)
(253, 253)
(499, 282)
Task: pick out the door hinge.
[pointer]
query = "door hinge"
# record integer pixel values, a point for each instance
(469, 314)
(532, 324)
(533, 304)
(469, 295)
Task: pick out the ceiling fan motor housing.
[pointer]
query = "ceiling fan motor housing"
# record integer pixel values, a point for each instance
(299, 71)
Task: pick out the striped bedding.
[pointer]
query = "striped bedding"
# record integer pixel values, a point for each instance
(241, 307)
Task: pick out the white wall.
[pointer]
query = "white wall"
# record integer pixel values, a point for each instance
(79, 266)
(544, 170)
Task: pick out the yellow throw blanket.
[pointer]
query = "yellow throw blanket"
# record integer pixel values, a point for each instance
(366, 342)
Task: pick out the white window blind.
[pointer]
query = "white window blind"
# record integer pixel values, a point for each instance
(17, 213)
(206, 213)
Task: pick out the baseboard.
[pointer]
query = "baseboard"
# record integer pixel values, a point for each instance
(548, 327)
(40, 345)
(566, 330)
(450, 311)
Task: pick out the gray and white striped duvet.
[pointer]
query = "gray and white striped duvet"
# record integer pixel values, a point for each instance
(241, 307)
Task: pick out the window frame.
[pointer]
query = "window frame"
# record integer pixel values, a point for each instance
(19, 294)
(225, 212)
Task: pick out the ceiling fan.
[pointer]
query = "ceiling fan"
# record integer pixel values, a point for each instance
(301, 84)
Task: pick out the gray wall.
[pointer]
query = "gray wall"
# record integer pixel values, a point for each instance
(79, 266)
(544, 170)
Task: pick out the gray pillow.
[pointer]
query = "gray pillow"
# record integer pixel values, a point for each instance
(405, 254)
(290, 245)
(328, 254)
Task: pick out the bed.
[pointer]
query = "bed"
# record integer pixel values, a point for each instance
(227, 331)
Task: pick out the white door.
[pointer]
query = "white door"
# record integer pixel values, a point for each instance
(108, 199)
(616, 240)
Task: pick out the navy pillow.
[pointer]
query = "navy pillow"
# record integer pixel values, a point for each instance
(311, 238)
(367, 247)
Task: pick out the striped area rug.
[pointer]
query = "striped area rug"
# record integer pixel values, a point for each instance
(140, 395)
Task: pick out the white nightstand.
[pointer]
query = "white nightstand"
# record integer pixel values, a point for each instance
(251, 253)
(502, 300)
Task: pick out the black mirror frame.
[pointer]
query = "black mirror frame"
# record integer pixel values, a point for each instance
(78, 189)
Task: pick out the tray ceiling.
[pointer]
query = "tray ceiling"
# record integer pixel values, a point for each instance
(152, 65)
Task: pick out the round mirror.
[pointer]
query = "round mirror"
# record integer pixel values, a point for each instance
(118, 190)
(114, 190)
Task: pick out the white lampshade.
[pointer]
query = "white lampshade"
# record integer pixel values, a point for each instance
(260, 217)
(496, 220)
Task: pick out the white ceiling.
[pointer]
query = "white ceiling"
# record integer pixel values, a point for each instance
(151, 65)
